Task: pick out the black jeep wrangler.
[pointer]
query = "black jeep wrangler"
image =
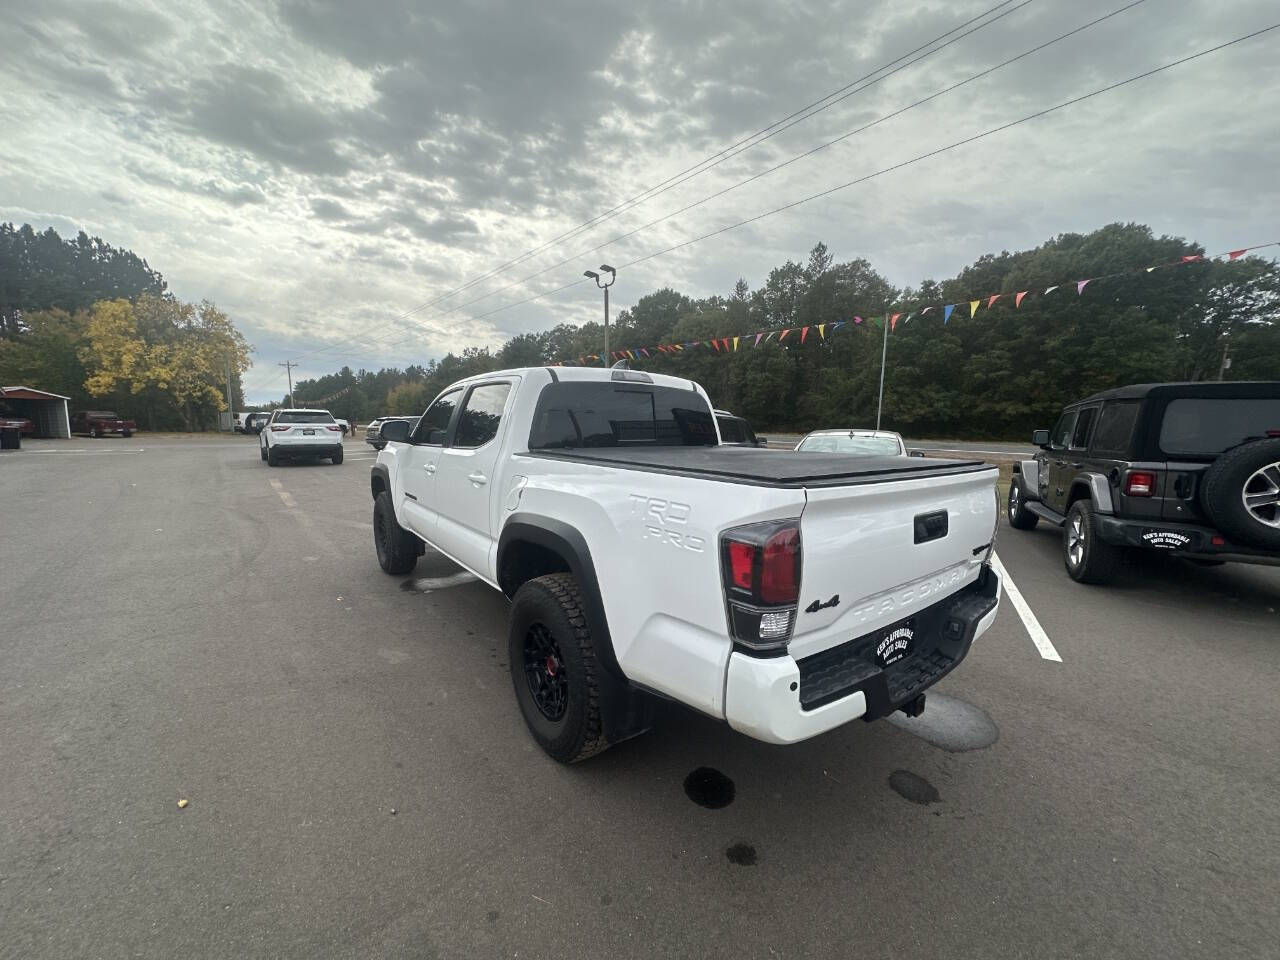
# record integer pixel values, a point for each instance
(1192, 468)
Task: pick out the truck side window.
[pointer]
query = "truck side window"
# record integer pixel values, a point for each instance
(1080, 437)
(434, 425)
(481, 415)
(1061, 435)
(1115, 426)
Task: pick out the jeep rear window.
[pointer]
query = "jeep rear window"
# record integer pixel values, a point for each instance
(304, 416)
(588, 414)
(1196, 426)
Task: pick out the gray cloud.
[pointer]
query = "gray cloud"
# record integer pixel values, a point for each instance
(349, 161)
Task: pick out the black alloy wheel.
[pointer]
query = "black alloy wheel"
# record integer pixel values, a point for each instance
(545, 673)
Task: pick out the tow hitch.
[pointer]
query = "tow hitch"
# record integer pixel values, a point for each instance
(913, 708)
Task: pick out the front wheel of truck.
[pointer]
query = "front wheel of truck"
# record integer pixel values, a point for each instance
(396, 547)
(554, 668)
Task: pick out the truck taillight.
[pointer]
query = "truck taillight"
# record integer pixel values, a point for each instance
(761, 568)
(276, 428)
(1140, 483)
(335, 429)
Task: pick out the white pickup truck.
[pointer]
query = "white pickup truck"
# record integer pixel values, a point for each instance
(785, 593)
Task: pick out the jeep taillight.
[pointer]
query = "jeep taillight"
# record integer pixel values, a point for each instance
(761, 568)
(1140, 483)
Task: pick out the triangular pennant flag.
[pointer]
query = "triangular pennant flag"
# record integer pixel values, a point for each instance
(822, 331)
(631, 354)
(946, 312)
(1149, 269)
(838, 324)
(925, 310)
(1049, 290)
(893, 321)
(1236, 254)
(804, 332)
(735, 344)
(1017, 300)
(991, 301)
(857, 319)
(726, 344)
(758, 336)
(679, 346)
(878, 321)
(644, 351)
(1082, 284)
(694, 343)
(715, 345)
(784, 334)
(907, 318)
(1192, 259)
(769, 336)
(973, 307)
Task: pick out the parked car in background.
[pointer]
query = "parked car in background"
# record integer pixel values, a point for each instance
(863, 443)
(237, 422)
(736, 432)
(344, 425)
(254, 422)
(14, 421)
(98, 423)
(373, 432)
(293, 434)
(1192, 469)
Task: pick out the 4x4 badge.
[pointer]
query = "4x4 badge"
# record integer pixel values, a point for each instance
(816, 606)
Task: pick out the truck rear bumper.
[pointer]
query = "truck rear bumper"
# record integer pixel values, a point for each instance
(783, 700)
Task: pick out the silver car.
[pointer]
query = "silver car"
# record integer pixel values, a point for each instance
(865, 443)
(373, 433)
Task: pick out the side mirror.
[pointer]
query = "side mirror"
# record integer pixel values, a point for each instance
(915, 453)
(396, 431)
(1040, 438)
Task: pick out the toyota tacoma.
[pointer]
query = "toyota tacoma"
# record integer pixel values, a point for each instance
(785, 594)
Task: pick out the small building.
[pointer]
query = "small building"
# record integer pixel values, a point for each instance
(48, 411)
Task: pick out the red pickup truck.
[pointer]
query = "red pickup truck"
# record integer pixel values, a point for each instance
(96, 423)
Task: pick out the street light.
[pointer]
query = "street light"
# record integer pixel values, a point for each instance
(613, 275)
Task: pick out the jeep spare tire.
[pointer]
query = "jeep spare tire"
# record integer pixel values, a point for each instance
(1241, 493)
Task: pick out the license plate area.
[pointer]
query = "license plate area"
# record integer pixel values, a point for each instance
(894, 642)
(308, 432)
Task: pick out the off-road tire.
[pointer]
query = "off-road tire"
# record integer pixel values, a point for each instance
(273, 458)
(1019, 517)
(337, 457)
(1223, 490)
(396, 547)
(555, 602)
(1098, 561)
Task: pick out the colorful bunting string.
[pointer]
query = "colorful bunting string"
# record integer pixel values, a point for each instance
(722, 345)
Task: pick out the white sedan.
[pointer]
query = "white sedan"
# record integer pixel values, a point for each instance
(866, 443)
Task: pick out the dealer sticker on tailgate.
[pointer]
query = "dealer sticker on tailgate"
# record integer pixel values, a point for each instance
(895, 643)
(1166, 539)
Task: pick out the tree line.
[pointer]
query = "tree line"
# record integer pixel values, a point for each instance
(94, 322)
(997, 375)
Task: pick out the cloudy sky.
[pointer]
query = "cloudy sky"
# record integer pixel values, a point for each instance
(319, 168)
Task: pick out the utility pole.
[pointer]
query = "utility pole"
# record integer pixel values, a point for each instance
(884, 350)
(613, 275)
(288, 366)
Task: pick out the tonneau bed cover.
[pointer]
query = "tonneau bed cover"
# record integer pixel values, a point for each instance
(772, 468)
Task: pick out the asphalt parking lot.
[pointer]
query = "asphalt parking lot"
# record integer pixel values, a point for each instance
(179, 621)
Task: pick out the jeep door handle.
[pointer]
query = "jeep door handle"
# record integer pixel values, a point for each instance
(478, 478)
(429, 467)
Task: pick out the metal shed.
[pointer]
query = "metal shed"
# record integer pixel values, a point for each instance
(48, 411)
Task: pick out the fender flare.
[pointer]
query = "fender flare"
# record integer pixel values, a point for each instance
(1099, 491)
(569, 543)
(1029, 470)
(379, 472)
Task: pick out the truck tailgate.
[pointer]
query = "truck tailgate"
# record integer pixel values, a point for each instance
(876, 553)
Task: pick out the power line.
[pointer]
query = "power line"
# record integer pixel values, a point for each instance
(797, 157)
(817, 106)
(900, 165)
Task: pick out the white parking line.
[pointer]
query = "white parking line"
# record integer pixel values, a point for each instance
(285, 495)
(1038, 636)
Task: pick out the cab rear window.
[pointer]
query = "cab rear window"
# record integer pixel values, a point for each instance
(1196, 426)
(571, 415)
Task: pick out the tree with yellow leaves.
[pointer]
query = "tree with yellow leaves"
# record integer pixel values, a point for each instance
(164, 351)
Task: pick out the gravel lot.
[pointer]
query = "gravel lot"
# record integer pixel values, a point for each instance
(179, 621)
